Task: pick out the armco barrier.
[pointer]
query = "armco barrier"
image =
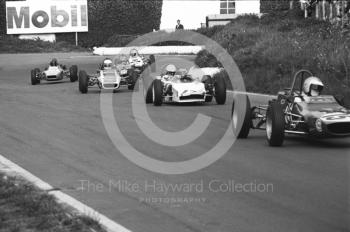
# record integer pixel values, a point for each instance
(156, 50)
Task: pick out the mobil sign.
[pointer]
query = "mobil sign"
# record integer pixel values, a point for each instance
(34, 17)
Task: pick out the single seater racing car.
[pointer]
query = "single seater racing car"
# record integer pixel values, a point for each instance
(54, 72)
(179, 86)
(298, 111)
(108, 76)
(139, 63)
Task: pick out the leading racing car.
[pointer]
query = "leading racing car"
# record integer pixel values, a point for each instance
(299, 110)
(54, 72)
(178, 85)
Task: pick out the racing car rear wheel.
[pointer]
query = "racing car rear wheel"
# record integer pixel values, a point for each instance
(275, 124)
(34, 76)
(157, 93)
(73, 73)
(220, 90)
(152, 60)
(247, 123)
(83, 82)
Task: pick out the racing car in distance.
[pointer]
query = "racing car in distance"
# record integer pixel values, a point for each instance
(139, 62)
(54, 72)
(109, 76)
(177, 85)
(293, 112)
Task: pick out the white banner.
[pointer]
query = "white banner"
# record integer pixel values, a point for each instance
(34, 17)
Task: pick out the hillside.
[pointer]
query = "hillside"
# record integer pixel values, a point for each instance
(270, 49)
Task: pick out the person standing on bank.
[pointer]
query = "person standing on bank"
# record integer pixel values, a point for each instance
(179, 26)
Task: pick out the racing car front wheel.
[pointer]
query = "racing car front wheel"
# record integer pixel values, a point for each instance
(73, 73)
(34, 76)
(220, 90)
(275, 124)
(149, 94)
(152, 61)
(157, 93)
(247, 123)
(83, 82)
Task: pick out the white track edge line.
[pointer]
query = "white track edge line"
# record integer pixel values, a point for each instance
(107, 223)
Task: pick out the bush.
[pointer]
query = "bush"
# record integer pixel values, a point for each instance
(206, 59)
(11, 44)
(270, 50)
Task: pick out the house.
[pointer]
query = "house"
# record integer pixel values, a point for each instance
(196, 13)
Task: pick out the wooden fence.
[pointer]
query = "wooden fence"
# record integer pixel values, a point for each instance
(332, 10)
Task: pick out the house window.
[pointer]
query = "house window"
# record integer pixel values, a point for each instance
(227, 7)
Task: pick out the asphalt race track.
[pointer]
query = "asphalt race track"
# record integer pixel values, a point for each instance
(57, 134)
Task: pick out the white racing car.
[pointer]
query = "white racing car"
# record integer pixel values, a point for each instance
(139, 63)
(181, 86)
(109, 76)
(54, 72)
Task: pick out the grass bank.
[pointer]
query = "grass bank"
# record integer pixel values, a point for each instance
(268, 50)
(25, 208)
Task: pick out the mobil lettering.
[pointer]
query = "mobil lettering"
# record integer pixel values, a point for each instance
(20, 17)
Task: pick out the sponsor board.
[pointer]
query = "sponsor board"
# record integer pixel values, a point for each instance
(34, 17)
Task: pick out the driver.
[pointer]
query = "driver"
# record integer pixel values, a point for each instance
(134, 57)
(169, 75)
(312, 86)
(54, 62)
(107, 63)
(170, 71)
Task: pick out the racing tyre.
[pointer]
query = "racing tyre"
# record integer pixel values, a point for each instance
(275, 124)
(33, 76)
(153, 63)
(157, 92)
(133, 76)
(83, 82)
(247, 123)
(220, 90)
(149, 94)
(73, 73)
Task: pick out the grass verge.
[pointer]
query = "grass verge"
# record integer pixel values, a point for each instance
(26, 208)
(11, 44)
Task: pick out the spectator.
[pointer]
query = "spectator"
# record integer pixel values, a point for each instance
(179, 26)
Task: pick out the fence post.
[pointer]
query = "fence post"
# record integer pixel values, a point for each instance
(323, 9)
(317, 10)
(331, 11)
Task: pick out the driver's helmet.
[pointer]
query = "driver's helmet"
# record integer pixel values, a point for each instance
(107, 63)
(170, 69)
(133, 53)
(54, 62)
(313, 86)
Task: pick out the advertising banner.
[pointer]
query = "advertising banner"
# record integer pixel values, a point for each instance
(35, 17)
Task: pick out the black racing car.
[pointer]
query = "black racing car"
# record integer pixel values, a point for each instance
(294, 113)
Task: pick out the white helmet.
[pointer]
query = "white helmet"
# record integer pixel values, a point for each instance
(313, 86)
(170, 69)
(107, 63)
(133, 52)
